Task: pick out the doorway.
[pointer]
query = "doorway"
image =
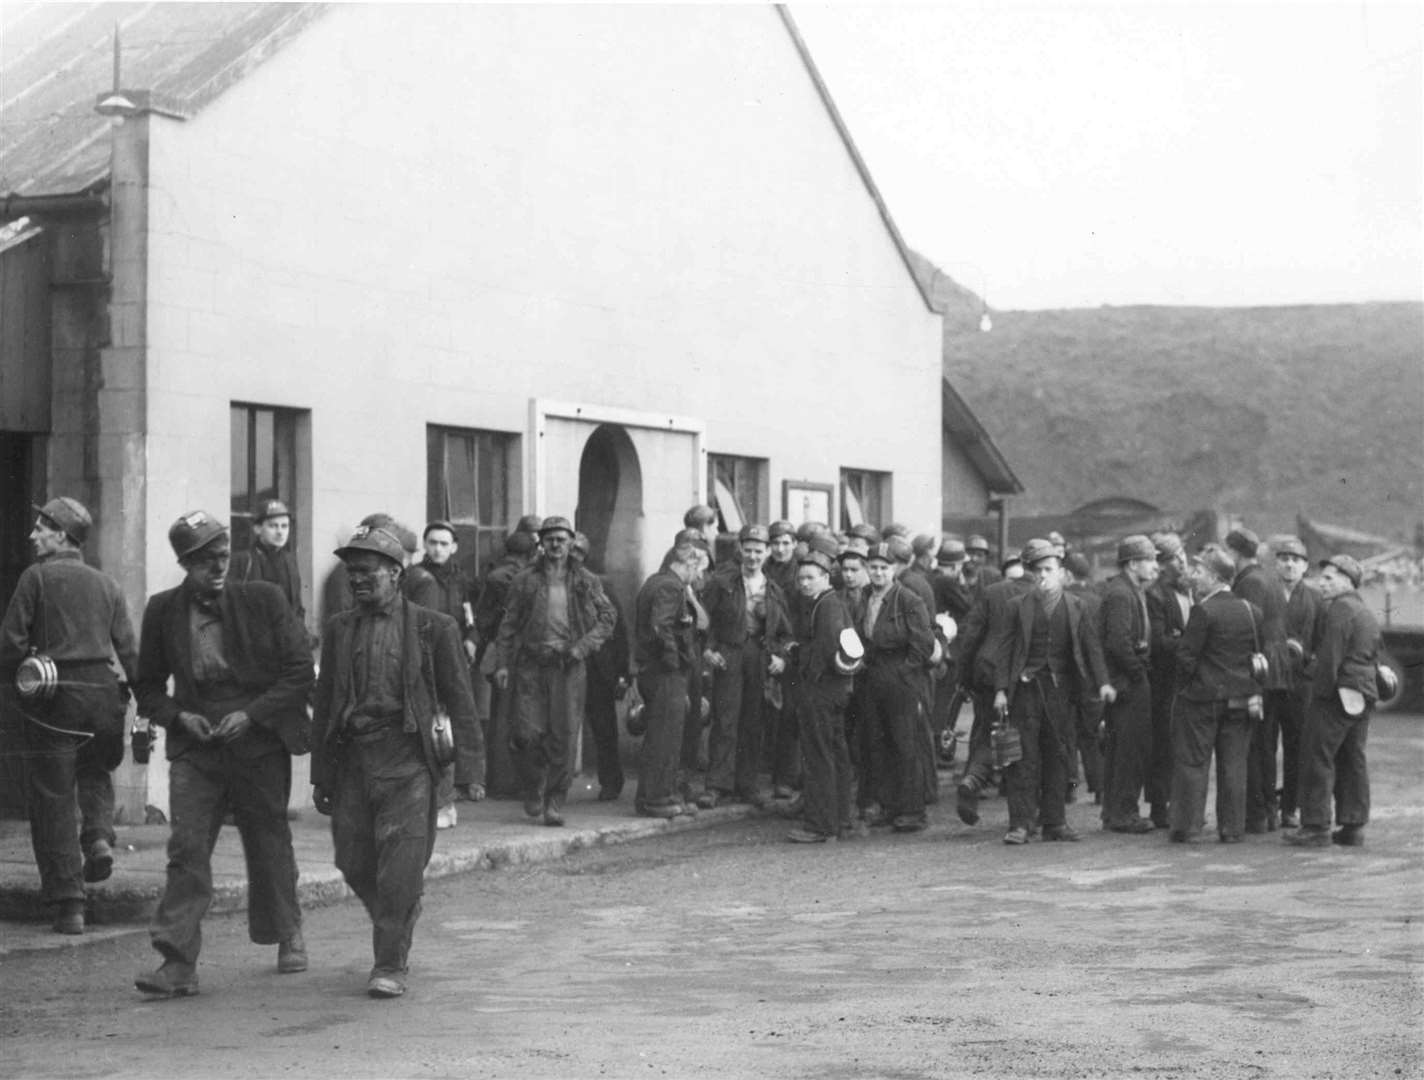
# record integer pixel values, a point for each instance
(610, 510)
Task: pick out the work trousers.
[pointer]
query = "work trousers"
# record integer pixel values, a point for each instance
(601, 708)
(1200, 728)
(1038, 782)
(550, 708)
(204, 785)
(59, 765)
(1332, 761)
(862, 756)
(502, 776)
(1261, 765)
(893, 705)
(693, 756)
(734, 743)
(665, 709)
(1087, 715)
(1158, 785)
(1129, 755)
(1289, 707)
(825, 790)
(786, 764)
(383, 830)
(979, 764)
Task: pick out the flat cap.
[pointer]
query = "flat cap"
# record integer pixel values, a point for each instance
(894, 529)
(439, 524)
(383, 540)
(750, 533)
(924, 544)
(977, 543)
(193, 531)
(270, 508)
(820, 551)
(857, 545)
(1077, 564)
(1347, 565)
(808, 529)
(1036, 550)
(866, 531)
(529, 523)
(1136, 546)
(951, 551)
(1216, 561)
(781, 528)
(1289, 545)
(68, 516)
(1168, 545)
(1243, 542)
(696, 537)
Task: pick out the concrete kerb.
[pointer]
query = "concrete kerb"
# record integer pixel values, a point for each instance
(115, 905)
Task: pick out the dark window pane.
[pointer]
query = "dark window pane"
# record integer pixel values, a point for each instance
(240, 492)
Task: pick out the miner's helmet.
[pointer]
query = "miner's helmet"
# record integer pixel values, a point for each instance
(68, 516)
(194, 531)
(270, 508)
(850, 652)
(557, 524)
(380, 539)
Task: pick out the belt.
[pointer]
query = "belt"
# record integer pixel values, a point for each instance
(373, 725)
(391, 727)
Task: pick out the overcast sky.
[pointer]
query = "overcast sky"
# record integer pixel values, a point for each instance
(1064, 154)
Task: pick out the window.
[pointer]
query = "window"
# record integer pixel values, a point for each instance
(737, 490)
(264, 466)
(470, 480)
(865, 498)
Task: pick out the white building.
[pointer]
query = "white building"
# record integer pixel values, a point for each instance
(465, 261)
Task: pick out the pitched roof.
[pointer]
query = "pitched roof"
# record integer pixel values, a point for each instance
(56, 59)
(974, 438)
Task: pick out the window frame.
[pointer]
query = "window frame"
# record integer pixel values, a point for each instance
(750, 490)
(284, 439)
(869, 491)
(481, 541)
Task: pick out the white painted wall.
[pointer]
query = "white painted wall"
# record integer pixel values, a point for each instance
(420, 215)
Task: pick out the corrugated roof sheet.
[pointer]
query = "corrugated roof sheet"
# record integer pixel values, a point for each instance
(55, 59)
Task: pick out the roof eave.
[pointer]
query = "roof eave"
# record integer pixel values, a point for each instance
(849, 143)
(960, 421)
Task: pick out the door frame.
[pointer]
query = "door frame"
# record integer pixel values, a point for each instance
(541, 410)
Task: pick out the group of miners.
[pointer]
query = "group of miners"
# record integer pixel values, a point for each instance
(834, 664)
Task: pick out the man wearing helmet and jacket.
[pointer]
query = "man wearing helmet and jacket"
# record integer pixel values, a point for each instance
(74, 734)
(241, 673)
(556, 615)
(388, 668)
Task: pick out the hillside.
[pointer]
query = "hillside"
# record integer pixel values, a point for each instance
(1263, 412)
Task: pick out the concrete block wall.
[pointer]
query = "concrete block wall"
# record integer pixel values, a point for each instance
(625, 206)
